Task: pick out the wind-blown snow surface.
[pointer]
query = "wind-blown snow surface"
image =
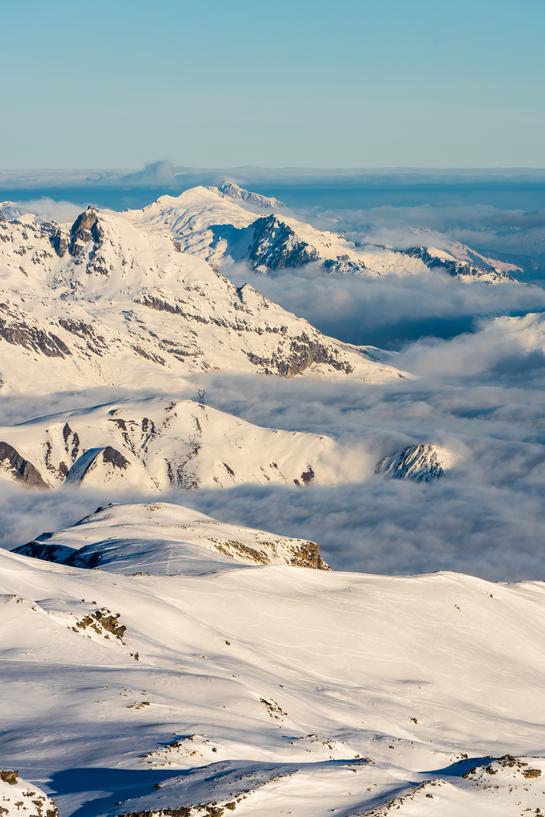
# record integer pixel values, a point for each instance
(269, 690)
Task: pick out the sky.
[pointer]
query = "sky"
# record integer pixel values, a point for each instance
(350, 83)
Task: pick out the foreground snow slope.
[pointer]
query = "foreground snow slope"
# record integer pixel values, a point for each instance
(113, 300)
(157, 444)
(270, 690)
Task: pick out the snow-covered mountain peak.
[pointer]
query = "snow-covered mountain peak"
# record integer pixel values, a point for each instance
(422, 463)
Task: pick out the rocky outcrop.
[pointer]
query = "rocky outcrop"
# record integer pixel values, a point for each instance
(303, 353)
(59, 242)
(19, 332)
(84, 229)
(344, 265)
(20, 798)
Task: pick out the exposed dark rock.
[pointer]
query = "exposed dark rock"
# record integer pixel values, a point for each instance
(417, 462)
(102, 622)
(95, 343)
(308, 555)
(303, 352)
(10, 776)
(45, 552)
(59, 242)
(15, 330)
(114, 457)
(343, 265)
(22, 470)
(308, 475)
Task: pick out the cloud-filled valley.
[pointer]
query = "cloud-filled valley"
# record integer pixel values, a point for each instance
(472, 386)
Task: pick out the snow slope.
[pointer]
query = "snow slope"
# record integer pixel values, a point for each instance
(113, 300)
(157, 444)
(268, 690)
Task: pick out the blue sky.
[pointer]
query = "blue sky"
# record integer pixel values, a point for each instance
(366, 83)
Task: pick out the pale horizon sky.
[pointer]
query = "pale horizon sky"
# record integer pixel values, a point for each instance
(351, 83)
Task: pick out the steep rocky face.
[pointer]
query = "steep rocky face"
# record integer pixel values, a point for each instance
(302, 354)
(84, 229)
(344, 265)
(422, 463)
(20, 329)
(21, 470)
(275, 246)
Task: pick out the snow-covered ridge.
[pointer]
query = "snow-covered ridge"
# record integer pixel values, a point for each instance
(157, 444)
(239, 194)
(169, 540)
(461, 261)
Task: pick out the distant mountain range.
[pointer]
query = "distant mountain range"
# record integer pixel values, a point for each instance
(230, 223)
(125, 298)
